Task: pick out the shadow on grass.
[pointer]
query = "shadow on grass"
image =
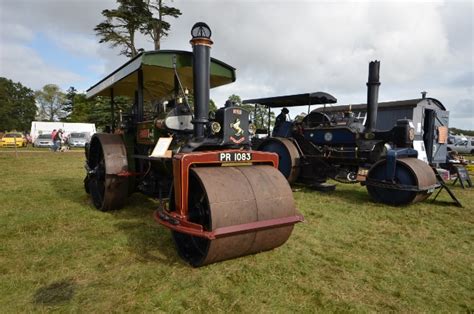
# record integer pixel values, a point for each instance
(443, 203)
(360, 196)
(135, 219)
(149, 241)
(69, 188)
(55, 293)
(350, 196)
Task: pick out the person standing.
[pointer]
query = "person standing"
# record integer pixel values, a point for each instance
(53, 135)
(57, 138)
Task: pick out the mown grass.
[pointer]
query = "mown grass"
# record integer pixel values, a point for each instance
(57, 253)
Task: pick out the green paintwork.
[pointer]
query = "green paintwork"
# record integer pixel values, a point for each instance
(158, 75)
(166, 60)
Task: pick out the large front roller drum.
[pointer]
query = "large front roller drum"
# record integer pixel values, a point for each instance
(106, 158)
(409, 171)
(288, 156)
(229, 196)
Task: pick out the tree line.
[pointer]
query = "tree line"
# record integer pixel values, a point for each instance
(20, 105)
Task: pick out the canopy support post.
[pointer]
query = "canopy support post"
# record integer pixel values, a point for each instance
(254, 121)
(176, 87)
(112, 109)
(269, 119)
(140, 95)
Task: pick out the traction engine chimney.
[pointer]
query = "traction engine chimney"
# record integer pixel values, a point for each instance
(201, 43)
(372, 96)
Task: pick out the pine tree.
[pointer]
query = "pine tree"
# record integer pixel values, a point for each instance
(132, 17)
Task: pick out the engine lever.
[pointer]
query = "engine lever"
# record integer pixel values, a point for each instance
(181, 86)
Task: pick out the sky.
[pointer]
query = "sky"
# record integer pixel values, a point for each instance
(277, 47)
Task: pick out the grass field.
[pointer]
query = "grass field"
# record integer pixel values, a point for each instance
(57, 253)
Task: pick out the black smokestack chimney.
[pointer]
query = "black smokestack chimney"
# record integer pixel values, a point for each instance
(201, 43)
(372, 96)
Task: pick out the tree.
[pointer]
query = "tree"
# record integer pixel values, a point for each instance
(97, 110)
(69, 101)
(17, 106)
(460, 131)
(82, 109)
(121, 24)
(260, 117)
(51, 102)
(132, 16)
(212, 105)
(158, 28)
(235, 99)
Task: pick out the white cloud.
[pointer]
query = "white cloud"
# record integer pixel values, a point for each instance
(77, 45)
(309, 46)
(23, 64)
(279, 47)
(12, 32)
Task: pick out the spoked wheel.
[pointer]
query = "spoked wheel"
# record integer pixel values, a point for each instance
(229, 196)
(409, 172)
(107, 158)
(288, 156)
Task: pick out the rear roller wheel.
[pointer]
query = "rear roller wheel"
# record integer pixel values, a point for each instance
(409, 171)
(228, 196)
(288, 156)
(106, 158)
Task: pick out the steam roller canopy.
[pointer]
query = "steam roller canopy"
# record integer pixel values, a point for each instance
(287, 154)
(408, 171)
(230, 196)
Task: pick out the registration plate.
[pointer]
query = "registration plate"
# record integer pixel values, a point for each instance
(235, 156)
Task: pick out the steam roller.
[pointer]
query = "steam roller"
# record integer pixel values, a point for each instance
(219, 198)
(350, 149)
(224, 198)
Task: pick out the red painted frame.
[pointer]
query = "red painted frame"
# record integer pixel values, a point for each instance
(178, 219)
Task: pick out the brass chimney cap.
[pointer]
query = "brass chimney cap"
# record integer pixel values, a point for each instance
(201, 33)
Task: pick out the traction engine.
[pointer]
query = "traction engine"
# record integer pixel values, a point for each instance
(220, 198)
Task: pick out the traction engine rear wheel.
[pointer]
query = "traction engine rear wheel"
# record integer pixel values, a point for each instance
(288, 156)
(106, 158)
(230, 196)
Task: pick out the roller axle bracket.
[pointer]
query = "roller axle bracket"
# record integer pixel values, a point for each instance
(401, 187)
(179, 224)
